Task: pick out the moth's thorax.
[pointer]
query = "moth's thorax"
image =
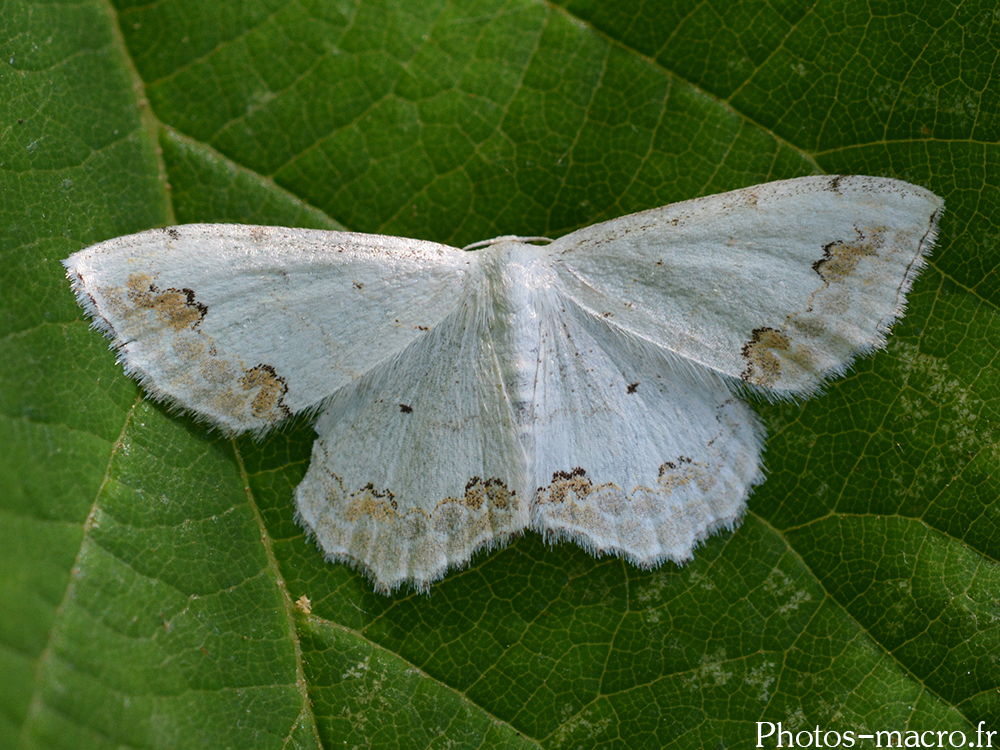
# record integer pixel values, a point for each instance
(518, 270)
(524, 287)
(505, 239)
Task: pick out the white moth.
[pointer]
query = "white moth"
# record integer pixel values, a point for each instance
(588, 389)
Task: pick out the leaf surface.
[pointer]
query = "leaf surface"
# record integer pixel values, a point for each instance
(152, 569)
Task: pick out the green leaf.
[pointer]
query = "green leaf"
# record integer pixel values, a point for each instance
(151, 568)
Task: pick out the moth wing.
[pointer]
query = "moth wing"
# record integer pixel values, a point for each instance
(417, 464)
(636, 453)
(780, 285)
(247, 325)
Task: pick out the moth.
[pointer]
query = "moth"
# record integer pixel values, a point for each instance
(591, 388)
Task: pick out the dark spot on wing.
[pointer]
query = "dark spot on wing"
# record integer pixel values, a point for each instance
(177, 308)
(840, 258)
(577, 472)
(673, 466)
(406, 409)
(566, 484)
(492, 493)
(368, 501)
(632, 387)
(763, 365)
(267, 403)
